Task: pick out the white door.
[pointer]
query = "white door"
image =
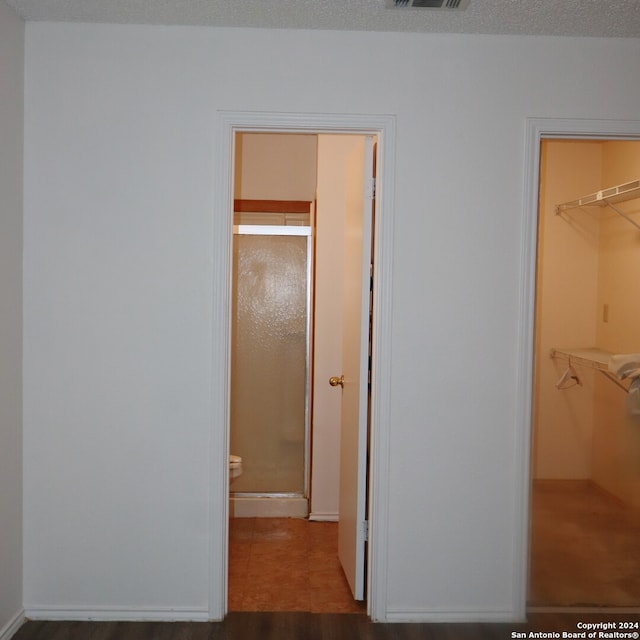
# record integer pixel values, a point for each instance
(355, 366)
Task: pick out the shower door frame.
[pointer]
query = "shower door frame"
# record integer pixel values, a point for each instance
(383, 128)
(308, 232)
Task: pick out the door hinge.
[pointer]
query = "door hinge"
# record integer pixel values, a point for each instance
(372, 188)
(365, 530)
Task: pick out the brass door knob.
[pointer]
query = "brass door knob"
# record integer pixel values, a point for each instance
(334, 381)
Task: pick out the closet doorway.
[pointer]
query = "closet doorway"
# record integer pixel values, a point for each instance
(585, 497)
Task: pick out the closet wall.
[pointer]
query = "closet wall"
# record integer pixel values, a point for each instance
(616, 443)
(587, 259)
(567, 286)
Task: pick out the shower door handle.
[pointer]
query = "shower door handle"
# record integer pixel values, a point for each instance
(334, 381)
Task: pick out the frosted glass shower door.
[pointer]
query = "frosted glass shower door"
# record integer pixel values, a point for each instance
(270, 358)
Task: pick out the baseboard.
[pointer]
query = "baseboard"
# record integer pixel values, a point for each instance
(444, 615)
(168, 614)
(9, 629)
(319, 516)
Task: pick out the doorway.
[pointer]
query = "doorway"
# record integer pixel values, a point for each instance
(585, 518)
(281, 347)
(382, 128)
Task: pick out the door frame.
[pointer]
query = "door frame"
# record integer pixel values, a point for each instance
(537, 130)
(229, 123)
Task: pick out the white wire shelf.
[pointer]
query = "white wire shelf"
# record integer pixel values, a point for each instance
(621, 193)
(607, 198)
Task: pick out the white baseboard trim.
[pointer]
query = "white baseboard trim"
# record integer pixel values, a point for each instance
(168, 614)
(444, 615)
(13, 625)
(319, 516)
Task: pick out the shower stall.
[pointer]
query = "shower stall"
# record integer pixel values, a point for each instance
(270, 361)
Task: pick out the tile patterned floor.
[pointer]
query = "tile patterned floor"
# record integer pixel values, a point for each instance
(287, 564)
(585, 547)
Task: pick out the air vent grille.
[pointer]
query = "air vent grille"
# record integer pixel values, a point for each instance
(429, 4)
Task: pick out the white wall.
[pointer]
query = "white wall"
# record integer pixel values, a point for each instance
(11, 157)
(120, 147)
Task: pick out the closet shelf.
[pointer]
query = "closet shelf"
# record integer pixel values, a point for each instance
(597, 359)
(607, 198)
(590, 357)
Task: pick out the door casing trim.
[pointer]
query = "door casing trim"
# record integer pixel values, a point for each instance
(384, 128)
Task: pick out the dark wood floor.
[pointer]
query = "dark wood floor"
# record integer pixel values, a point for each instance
(585, 547)
(312, 626)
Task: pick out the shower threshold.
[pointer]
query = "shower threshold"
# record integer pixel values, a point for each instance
(268, 505)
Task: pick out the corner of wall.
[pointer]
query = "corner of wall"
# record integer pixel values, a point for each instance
(12, 32)
(13, 625)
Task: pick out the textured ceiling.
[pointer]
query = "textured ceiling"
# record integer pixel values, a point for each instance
(608, 18)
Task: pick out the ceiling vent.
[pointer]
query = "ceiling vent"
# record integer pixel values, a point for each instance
(429, 4)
